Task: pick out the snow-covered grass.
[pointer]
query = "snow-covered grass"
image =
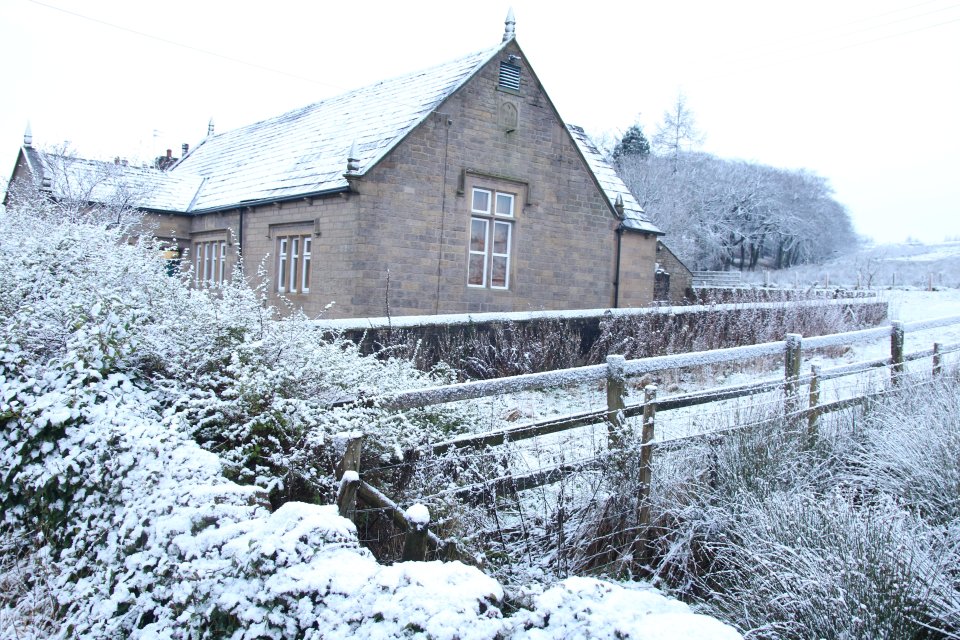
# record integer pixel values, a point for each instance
(855, 535)
(153, 437)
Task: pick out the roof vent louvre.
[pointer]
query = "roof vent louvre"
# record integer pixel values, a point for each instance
(510, 76)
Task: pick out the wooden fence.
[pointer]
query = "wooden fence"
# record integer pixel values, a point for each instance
(614, 374)
(717, 279)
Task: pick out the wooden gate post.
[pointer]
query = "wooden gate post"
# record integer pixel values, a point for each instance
(791, 369)
(616, 401)
(646, 466)
(415, 542)
(646, 451)
(348, 473)
(896, 351)
(937, 359)
(813, 416)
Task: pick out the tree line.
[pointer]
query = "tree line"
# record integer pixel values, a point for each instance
(729, 214)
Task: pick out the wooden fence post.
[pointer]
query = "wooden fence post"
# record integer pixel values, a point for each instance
(896, 351)
(937, 359)
(791, 369)
(616, 401)
(813, 417)
(348, 473)
(646, 466)
(415, 542)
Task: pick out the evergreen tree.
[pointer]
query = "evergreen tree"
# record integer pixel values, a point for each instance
(633, 143)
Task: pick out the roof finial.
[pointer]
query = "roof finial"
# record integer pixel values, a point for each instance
(618, 205)
(510, 32)
(210, 128)
(28, 136)
(353, 163)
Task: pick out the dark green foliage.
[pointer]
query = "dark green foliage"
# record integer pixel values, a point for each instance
(633, 144)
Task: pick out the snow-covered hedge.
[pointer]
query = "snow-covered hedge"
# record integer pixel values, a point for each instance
(152, 436)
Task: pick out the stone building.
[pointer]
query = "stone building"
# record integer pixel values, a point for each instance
(455, 189)
(674, 281)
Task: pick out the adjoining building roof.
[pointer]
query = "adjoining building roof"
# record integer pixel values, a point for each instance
(305, 151)
(71, 178)
(634, 217)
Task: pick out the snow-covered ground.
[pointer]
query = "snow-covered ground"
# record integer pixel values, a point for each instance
(876, 267)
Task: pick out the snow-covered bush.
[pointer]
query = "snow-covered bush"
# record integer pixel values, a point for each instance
(256, 390)
(109, 368)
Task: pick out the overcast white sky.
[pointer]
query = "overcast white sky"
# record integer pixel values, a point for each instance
(864, 92)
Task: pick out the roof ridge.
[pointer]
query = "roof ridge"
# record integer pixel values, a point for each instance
(480, 54)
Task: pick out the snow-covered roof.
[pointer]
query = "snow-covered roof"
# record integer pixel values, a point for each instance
(634, 218)
(73, 178)
(305, 151)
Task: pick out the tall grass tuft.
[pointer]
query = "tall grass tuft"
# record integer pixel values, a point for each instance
(854, 536)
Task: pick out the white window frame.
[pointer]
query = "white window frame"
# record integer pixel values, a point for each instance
(506, 256)
(207, 251)
(482, 252)
(305, 269)
(222, 276)
(198, 260)
(294, 260)
(210, 262)
(492, 216)
(282, 266)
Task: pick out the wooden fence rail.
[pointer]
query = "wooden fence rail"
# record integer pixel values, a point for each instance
(615, 373)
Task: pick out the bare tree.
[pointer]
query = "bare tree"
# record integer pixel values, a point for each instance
(678, 131)
(722, 214)
(70, 186)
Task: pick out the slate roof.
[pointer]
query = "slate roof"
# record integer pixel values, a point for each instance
(305, 151)
(96, 181)
(634, 217)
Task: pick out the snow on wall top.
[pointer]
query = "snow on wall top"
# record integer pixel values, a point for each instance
(633, 215)
(305, 151)
(73, 178)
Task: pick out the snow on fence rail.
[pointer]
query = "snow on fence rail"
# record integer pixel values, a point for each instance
(617, 411)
